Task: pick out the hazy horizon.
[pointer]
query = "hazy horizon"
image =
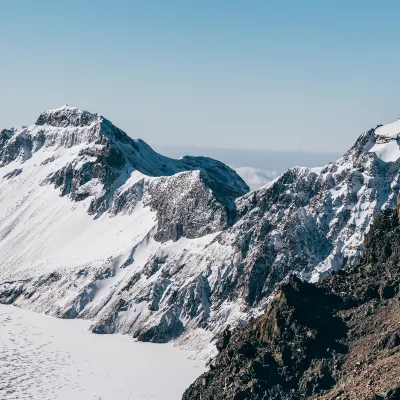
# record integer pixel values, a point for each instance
(256, 167)
(277, 160)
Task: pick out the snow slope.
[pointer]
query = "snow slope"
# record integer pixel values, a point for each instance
(46, 358)
(96, 225)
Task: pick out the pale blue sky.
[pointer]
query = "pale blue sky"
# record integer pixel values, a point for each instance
(295, 75)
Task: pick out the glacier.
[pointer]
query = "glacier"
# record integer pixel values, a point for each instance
(49, 358)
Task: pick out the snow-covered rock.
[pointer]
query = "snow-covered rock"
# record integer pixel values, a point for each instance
(94, 224)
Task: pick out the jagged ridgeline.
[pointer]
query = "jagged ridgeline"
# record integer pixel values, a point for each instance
(94, 224)
(338, 339)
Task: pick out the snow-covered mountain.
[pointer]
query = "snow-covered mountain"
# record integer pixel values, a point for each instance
(94, 224)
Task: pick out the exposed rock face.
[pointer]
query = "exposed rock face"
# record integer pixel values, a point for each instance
(66, 117)
(338, 339)
(186, 207)
(94, 224)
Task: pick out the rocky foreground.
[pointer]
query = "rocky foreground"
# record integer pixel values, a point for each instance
(337, 339)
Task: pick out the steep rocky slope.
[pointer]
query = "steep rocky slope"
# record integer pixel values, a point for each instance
(94, 224)
(338, 339)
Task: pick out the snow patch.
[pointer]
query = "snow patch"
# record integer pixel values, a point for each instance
(391, 130)
(388, 152)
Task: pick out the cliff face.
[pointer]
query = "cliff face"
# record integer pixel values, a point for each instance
(338, 339)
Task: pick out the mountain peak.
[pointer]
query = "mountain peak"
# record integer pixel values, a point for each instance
(66, 116)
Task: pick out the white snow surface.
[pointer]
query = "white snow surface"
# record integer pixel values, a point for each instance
(391, 130)
(51, 232)
(387, 152)
(45, 358)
